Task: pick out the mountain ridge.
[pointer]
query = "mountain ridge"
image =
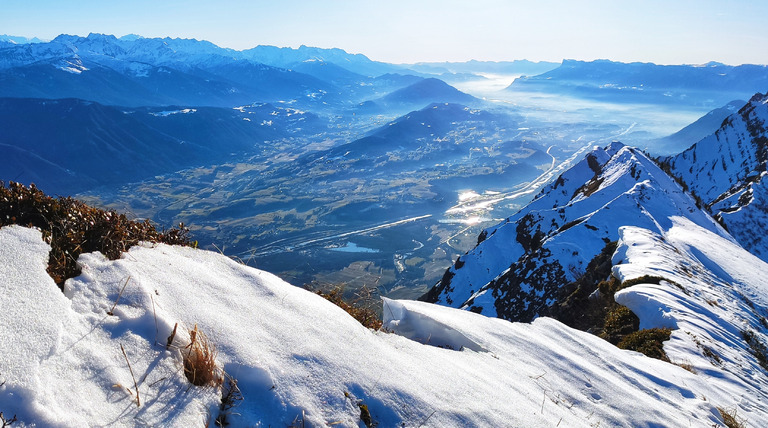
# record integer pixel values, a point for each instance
(546, 244)
(498, 266)
(726, 170)
(711, 85)
(101, 144)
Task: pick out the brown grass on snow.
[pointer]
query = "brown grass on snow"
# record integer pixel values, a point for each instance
(200, 360)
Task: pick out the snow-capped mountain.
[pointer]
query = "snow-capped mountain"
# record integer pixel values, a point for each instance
(519, 266)
(135, 71)
(159, 51)
(517, 270)
(616, 231)
(18, 40)
(726, 171)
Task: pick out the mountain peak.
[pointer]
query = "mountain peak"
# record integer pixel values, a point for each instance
(130, 37)
(100, 36)
(516, 272)
(429, 90)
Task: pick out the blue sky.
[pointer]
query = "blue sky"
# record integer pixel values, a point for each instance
(665, 32)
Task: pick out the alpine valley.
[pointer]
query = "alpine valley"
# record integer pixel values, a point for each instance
(586, 239)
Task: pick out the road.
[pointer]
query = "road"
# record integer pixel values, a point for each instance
(281, 247)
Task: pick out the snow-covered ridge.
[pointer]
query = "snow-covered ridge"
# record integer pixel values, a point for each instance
(726, 171)
(298, 359)
(517, 271)
(731, 157)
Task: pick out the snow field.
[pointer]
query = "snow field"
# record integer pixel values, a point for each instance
(297, 356)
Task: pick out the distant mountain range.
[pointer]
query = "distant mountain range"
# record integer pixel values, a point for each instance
(522, 67)
(135, 71)
(17, 40)
(711, 85)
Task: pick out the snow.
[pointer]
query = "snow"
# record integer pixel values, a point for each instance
(724, 169)
(493, 256)
(709, 284)
(166, 113)
(296, 356)
(62, 364)
(625, 188)
(74, 66)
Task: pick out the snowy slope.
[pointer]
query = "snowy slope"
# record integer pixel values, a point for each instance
(713, 294)
(726, 171)
(518, 270)
(298, 358)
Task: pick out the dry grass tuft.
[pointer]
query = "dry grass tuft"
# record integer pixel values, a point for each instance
(200, 360)
(686, 365)
(731, 419)
(759, 349)
(648, 341)
(364, 315)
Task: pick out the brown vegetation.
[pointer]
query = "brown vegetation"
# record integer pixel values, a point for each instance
(200, 360)
(364, 315)
(72, 227)
(730, 419)
(648, 341)
(588, 304)
(7, 422)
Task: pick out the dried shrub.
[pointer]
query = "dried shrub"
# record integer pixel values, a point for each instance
(231, 397)
(364, 315)
(731, 419)
(619, 323)
(686, 365)
(609, 286)
(72, 227)
(7, 422)
(570, 224)
(612, 285)
(648, 341)
(712, 355)
(365, 416)
(759, 349)
(200, 360)
(578, 305)
(645, 279)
